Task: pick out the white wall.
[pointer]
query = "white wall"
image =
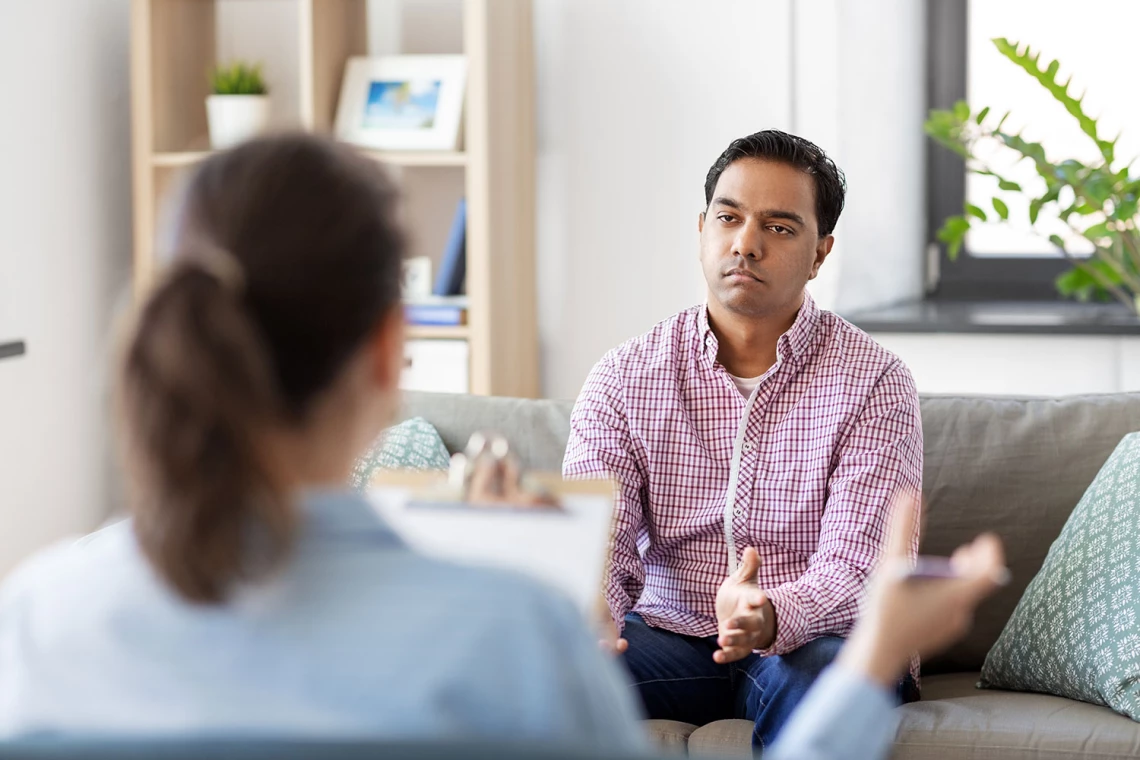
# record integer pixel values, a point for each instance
(64, 259)
(1018, 365)
(860, 93)
(637, 98)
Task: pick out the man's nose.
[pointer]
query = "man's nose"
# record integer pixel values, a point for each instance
(748, 243)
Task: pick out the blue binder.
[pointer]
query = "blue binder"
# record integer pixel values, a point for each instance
(453, 265)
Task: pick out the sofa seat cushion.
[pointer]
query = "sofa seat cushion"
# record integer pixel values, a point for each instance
(671, 737)
(724, 738)
(957, 720)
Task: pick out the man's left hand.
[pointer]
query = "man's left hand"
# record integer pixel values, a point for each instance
(745, 617)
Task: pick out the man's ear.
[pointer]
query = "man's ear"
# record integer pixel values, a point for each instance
(821, 253)
(701, 222)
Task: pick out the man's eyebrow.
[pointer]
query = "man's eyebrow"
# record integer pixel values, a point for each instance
(791, 216)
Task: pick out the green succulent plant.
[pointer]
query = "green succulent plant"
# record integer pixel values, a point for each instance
(238, 78)
(1097, 200)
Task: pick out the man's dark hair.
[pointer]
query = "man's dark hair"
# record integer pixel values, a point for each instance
(774, 145)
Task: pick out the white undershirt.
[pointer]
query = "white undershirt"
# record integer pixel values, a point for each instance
(746, 384)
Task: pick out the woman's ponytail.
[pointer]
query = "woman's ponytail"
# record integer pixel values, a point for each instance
(196, 392)
(288, 254)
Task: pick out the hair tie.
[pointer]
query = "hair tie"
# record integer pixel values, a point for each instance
(221, 265)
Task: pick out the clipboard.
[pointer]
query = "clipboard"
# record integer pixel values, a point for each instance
(565, 546)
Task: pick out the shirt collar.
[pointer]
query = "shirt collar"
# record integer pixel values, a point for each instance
(802, 333)
(797, 340)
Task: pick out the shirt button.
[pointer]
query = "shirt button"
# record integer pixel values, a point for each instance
(738, 512)
(748, 446)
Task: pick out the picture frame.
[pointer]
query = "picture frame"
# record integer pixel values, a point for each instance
(417, 277)
(403, 102)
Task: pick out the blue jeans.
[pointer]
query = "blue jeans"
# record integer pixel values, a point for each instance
(677, 679)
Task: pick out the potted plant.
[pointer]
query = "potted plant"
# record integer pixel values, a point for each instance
(1097, 200)
(238, 107)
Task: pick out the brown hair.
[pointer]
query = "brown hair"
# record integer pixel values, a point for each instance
(287, 256)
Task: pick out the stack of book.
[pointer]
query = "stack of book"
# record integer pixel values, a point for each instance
(436, 311)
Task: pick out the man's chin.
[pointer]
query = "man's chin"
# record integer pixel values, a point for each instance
(746, 306)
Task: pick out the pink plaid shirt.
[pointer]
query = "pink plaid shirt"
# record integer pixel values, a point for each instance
(803, 470)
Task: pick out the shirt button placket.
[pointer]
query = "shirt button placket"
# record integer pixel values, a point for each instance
(744, 497)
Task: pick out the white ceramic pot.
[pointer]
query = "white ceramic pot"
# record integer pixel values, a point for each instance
(236, 118)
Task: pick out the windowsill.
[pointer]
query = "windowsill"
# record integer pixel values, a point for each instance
(999, 318)
(15, 348)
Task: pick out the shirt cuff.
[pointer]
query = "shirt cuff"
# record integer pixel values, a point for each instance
(790, 625)
(844, 715)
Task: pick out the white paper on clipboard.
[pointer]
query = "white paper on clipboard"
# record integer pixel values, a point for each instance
(566, 549)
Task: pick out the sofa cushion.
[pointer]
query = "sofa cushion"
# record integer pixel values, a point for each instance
(1075, 632)
(957, 721)
(412, 445)
(671, 737)
(1013, 466)
(724, 738)
(1016, 467)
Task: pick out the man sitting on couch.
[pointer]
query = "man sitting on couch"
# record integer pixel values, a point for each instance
(758, 442)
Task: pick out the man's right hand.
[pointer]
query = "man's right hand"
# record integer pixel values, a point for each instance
(610, 641)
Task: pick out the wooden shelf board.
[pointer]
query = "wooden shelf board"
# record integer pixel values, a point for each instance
(180, 158)
(422, 332)
(397, 158)
(419, 158)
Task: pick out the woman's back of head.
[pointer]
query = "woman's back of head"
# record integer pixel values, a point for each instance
(286, 271)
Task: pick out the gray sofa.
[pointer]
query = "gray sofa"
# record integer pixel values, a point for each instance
(1013, 466)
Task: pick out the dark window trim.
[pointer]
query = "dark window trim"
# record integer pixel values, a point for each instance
(968, 278)
(15, 348)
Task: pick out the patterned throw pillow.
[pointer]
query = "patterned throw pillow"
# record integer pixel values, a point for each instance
(1076, 631)
(412, 445)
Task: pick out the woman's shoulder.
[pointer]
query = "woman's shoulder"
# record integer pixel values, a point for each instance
(67, 560)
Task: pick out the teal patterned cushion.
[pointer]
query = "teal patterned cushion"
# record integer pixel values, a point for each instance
(1076, 631)
(411, 445)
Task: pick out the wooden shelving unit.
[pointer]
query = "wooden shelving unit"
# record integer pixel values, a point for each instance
(175, 42)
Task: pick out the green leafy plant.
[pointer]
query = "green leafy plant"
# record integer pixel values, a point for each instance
(237, 78)
(1097, 200)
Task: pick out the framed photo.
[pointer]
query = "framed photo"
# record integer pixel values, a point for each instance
(417, 277)
(403, 102)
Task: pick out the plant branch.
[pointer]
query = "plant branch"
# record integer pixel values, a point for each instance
(1118, 293)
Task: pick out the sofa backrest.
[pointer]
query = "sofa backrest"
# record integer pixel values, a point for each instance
(1016, 467)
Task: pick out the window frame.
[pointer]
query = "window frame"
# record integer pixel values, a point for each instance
(969, 278)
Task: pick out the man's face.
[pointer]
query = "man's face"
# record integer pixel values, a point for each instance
(760, 240)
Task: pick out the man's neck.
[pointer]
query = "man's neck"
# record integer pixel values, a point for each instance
(747, 344)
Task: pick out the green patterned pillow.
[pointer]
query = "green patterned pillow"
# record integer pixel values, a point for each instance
(412, 445)
(1076, 631)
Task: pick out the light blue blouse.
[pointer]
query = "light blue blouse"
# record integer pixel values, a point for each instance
(359, 637)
